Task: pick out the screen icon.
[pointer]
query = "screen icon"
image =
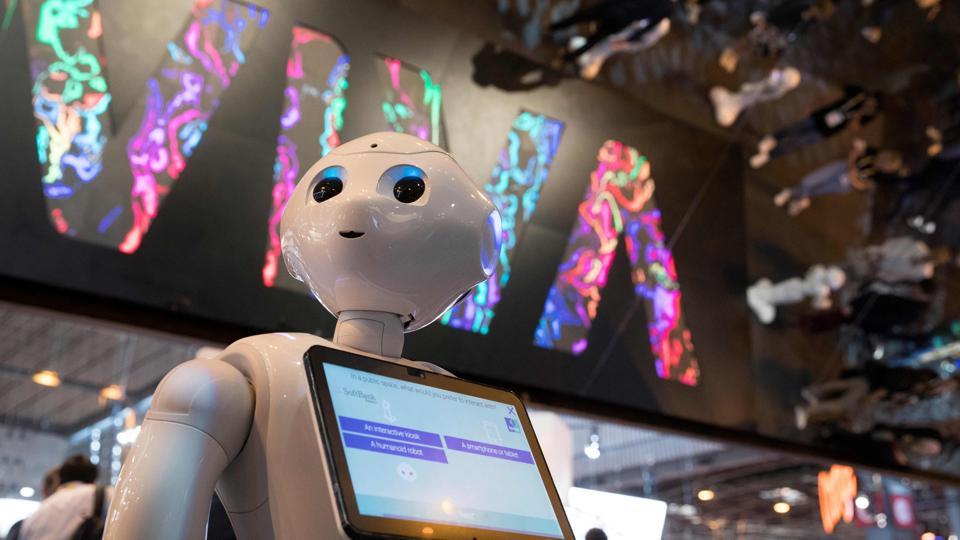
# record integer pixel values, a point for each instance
(493, 434)
(387, 412)
(512, 425)
(407, 472)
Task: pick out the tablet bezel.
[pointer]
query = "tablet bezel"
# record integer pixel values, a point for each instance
(360, 526)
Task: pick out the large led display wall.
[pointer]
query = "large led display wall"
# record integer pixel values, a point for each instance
(71, 103)
(149, 153)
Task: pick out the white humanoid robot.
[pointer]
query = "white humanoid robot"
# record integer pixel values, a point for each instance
(388, 232)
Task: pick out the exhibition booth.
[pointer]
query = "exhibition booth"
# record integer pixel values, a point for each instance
(478, 270)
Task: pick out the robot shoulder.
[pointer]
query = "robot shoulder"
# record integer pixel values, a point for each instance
(209, 395)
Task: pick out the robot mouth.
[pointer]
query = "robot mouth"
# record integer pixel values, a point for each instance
(351, 234)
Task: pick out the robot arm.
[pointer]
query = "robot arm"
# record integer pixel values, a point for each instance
(197, 424)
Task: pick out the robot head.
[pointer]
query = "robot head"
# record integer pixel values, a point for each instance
(390, 223)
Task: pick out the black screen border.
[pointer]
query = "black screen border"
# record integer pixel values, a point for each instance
(360, 526)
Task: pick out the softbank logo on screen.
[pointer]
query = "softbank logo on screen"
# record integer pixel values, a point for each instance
(115, 206)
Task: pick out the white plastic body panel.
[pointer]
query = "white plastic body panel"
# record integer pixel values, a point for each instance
(275, 485)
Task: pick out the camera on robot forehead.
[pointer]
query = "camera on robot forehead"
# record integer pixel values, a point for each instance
(390, 223)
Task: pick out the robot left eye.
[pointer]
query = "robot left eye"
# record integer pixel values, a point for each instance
(407, 183)
(330, 183)
(408, 189)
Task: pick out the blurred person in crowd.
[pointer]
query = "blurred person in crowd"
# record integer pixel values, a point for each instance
(898, 259)
(71, 505)
(857, 107)
(861, 398)
(818, 284)
(863, 167)
(772, 31)
(637, 36)
(728, 105)
(50, 482)
(890, 270)
(504, 69)
(595, 534)
(879, 13)
(872, 315)
(616, 25)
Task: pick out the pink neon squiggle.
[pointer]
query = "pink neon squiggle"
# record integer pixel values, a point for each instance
(180, 102)
(619, 201)
(404, 113)
(317, 72)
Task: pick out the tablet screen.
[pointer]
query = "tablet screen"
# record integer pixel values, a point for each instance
(431, 455)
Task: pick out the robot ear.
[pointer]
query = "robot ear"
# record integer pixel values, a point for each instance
(491, 242)
(291, 257)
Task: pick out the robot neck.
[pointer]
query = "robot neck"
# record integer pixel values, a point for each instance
(370, 331)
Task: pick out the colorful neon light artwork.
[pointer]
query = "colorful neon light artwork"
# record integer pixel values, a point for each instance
(309, 128)
(514, 187)
(70, 103)
(411, 100)
(181, 97)
(114, 206)
(619, 201)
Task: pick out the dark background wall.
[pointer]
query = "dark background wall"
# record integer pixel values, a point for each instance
(204, 252)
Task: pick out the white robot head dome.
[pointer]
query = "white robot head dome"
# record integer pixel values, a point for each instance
(390, 223)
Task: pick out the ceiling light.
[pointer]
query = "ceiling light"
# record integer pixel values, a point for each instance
(112, 392)
(781, 508)
(881, 520)
(706, 495)
(862, 502)
(127, 436)
(47, 377)
(26, 492)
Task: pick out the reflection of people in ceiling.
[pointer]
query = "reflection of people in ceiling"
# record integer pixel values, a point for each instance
(636, 37)
(864, 167)
(728, 105)
(857, 107)
(879, 14)
(504, 69)
(772, 31)
(616, 26)
(888, 270)
(818, 284)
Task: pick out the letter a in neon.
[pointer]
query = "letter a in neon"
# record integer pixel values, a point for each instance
(619, 201)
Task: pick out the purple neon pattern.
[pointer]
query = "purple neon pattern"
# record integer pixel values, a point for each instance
(310, 126)
(514, 187)
(619, 200)
(412, 101)
(70, 102)
(181, 97)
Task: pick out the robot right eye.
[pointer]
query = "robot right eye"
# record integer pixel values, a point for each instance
(330, 184)
(327, 189)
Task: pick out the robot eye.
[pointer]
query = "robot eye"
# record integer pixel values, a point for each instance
(330, 184)
(407, 183)
(408, 189)
(327, 189)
